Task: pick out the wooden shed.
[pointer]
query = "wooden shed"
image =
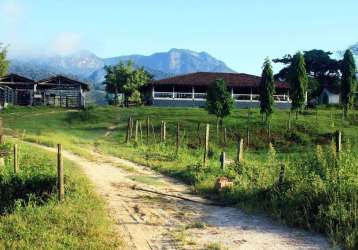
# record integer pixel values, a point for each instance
(16, 89)
(60, 91)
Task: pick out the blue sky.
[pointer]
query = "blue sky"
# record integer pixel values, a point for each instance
(241, 33)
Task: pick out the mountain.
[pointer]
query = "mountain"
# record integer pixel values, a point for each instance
(176, 62)
(79, 65)
(97, 77)
(87, 66)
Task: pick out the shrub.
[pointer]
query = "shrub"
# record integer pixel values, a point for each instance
(88, 114)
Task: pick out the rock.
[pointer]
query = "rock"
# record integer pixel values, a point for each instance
(223, 183)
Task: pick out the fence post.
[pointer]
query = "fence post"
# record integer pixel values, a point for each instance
(198, 133)
(141, 131)
(136, 131)
(131, 128)
(148, 130)
(16, 164)
(240, 150)
(153, 132)
(128, 130)
(248, 136)
(164, 131)
(206, 149)
(222, 160)
(161, 131)
(225, 136)
(289, 121)
(338, 140)
(177, 139)
(60, 174)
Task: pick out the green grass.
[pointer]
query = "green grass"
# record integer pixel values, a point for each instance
(214, 246)
(32, 218)
(315, 194)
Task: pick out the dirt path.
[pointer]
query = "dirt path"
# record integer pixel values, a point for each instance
(150, 221)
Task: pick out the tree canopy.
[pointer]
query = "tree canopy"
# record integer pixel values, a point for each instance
(4, 63)
(321, 69)
(124, 78)
(267, 89)
(349, 81)
(219, 101)
(298, 81)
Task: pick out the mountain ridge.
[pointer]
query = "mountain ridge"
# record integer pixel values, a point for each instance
(86, 65)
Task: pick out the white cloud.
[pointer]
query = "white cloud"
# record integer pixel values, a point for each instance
(65, 43)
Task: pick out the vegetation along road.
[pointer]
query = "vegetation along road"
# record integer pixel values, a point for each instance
(148, 220)
(143, 195)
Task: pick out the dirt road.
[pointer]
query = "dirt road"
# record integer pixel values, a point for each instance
(151, 221)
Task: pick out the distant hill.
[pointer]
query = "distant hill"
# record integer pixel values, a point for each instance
(86, 65)
(79, 65)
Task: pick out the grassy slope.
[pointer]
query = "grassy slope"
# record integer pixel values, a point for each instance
(310, 184)
(32, 218)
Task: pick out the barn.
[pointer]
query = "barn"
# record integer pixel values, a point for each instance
(58, 91)
(190, 90)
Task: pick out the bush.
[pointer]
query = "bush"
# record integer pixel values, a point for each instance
(85, 115)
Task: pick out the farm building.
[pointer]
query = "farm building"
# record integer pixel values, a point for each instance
(330, 95)
(16, 89)
(59, 91)
(190, 90)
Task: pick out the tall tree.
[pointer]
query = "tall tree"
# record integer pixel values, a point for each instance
(4, 63)
(320, 67)
(138, 78)
(348, 82)
(123, 78)
(115, 78)
(298, 82)
(267, 90)
(218, 100)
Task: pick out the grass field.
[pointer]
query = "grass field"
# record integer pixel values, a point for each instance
(32, 218)
(319, 191)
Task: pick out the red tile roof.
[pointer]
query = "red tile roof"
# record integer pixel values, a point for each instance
(206, 78)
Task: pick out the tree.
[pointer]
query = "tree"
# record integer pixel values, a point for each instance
(123, 78)
(4, 64)
(115, 78)
(320, 67)
(267, 90)
(218, 100)
(135, 98)
(136, 80)
(298, 82)
(348, 82)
